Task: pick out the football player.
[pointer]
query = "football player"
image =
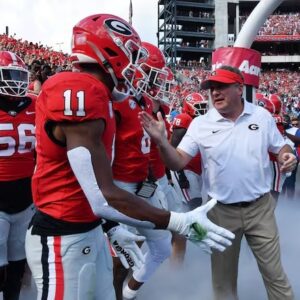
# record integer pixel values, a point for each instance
(273, 105)
(166, 191)
(188, 181)
(17, 161)
(72, 186)
(131, 167)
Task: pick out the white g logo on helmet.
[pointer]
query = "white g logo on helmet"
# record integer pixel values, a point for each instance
(119, 27)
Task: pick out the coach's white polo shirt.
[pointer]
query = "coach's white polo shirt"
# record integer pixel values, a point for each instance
(235, 157)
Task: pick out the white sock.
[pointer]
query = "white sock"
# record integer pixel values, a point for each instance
(128, 293)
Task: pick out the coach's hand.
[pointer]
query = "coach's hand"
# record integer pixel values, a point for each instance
(124, 244)
(288, 162)
(199, 229)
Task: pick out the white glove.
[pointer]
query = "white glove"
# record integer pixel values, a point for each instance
(199, 229)
(124, 244)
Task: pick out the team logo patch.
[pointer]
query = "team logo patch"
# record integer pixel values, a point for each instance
(132, 104)
(118, 26)
(253, 127)
(86, 250)
(12, 113)
(261, 103)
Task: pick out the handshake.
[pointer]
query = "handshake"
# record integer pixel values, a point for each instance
(200, 230)
(194, 225)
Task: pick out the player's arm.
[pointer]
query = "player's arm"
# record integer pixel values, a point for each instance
(177, 136)
(86, 151)
(293, 138)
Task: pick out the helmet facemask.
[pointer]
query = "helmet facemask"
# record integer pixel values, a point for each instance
(167, 94)
(154, 84)
(14, 81)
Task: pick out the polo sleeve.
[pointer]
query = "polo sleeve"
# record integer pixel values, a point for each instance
(189, 143)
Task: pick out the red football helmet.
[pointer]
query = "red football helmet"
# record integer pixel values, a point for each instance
(112, 43)
(194, 105)
(14, 77)
(267, 104)
(275, 99)
(153, 66)
(259, 96)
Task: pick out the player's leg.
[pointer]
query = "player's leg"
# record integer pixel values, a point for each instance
(65, 266)
(15, 272)
(4, 232)
(104, 280)
(278, 180)
(16, 252)
(158, 244)
(119, 272)
(176, 204)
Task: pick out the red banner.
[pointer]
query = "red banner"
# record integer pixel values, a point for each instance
(247, 60)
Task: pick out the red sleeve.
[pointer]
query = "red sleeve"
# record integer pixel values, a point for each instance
(75, 97)
(181, 121)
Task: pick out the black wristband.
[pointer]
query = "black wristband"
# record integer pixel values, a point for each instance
(109, 225)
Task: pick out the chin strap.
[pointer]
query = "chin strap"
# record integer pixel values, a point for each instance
(104, 61)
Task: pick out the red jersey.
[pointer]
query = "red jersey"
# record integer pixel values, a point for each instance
(132, 146)
(17, 139)
(156, 164)
(183, 121)
(279, 123)
(67, 97)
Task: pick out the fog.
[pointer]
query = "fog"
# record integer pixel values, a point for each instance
(193, 281)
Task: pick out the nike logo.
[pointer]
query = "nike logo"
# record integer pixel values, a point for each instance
(30, 112)
(215, 131)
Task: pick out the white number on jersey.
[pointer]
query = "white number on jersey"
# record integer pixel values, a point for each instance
(80, 102)
(26, 143)
(145, 143)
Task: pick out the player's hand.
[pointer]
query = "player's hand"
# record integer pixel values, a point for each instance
(288, 162)
(199, 229)
(124, 244)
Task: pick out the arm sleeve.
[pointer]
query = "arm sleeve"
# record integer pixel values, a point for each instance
(81, 164)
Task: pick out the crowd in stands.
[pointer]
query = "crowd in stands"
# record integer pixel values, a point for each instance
(42, 61)
(279, 24)
(283, 24)
(283, 82)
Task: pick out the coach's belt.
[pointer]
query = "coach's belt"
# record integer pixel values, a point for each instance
(243, 203)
